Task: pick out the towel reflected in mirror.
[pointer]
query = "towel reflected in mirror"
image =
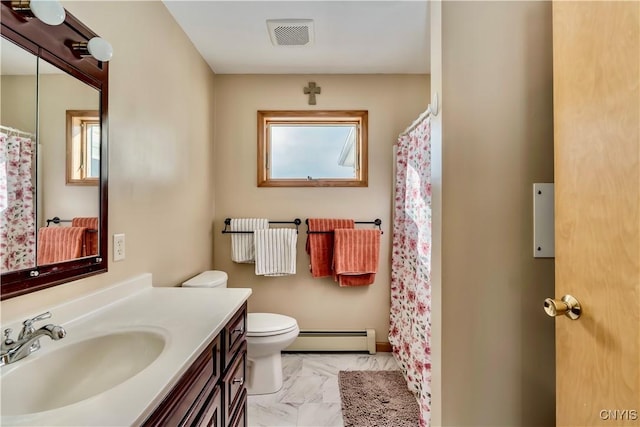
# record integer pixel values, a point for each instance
(56, 244)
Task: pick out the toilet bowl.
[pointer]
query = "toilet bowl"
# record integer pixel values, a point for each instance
(267, 335)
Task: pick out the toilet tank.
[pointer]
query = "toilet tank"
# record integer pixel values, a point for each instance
(207, 279)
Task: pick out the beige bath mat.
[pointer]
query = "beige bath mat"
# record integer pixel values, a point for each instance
(377, 399)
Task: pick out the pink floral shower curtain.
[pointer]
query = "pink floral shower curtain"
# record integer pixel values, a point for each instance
(17, 220)
(410, 329)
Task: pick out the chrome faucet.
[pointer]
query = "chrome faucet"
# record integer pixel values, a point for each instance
(28, 340)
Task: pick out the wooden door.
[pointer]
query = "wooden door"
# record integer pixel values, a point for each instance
(596, 55)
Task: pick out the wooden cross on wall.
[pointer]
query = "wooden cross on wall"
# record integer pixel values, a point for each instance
(312, 90)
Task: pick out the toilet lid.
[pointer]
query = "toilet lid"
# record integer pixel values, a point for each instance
(264, 324)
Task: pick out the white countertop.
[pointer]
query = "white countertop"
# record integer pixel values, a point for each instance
(189, 318)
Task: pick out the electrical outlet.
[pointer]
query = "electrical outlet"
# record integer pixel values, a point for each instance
(118, 247)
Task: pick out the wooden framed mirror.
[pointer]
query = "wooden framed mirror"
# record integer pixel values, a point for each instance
(33, 113)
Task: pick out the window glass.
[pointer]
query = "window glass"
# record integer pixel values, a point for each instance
(312, 148)
(83, 147)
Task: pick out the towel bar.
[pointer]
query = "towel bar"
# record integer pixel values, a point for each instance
(56, 220)
(227, 223)
(377, 222)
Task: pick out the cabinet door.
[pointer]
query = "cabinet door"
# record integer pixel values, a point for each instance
(206, 408)
(179, 405)
(240, 417)
(211, 413)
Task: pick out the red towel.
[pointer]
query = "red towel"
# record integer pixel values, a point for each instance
(355, 257)
(91, 238)
(320, 245)
(57, 244)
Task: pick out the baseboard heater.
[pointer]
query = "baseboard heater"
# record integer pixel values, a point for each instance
(322, 340)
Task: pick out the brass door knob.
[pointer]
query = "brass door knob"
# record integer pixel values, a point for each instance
(568, 305)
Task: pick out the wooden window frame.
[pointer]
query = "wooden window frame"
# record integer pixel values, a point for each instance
(84, 116)
(357, 117)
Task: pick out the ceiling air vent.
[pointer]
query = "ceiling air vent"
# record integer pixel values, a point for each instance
(290, 32)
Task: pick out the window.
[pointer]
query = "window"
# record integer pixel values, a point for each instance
(83, 147)
(312, 148)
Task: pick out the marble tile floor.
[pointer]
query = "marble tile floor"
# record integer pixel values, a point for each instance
(310, 395)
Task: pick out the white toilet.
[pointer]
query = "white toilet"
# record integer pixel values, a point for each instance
(267, 335)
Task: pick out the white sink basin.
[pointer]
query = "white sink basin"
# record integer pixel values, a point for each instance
(76, 371)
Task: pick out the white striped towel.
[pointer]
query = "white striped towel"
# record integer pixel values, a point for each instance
(275, 251)
(242, 246)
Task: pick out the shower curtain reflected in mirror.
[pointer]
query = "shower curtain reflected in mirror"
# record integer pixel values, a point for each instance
(17, 220)
(410, 319)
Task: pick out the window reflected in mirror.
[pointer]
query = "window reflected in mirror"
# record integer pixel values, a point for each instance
(312, 149)
(83, 147)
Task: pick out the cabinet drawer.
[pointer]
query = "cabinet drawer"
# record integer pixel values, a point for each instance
(234, 335)
(233, 382)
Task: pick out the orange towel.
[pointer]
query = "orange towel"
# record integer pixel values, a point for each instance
(57, 244)
(91, 238)
(320, 245)
(355, 257)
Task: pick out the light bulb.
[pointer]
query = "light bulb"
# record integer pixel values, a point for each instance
(100, 49)
(48, 11)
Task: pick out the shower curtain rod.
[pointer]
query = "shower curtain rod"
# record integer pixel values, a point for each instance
(417, 121)
(432, 109)
(14, 130)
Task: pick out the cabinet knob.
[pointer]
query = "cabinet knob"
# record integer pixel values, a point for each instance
(238, 330)
(238, 381)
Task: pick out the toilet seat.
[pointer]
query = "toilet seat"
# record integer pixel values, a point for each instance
(269, 324)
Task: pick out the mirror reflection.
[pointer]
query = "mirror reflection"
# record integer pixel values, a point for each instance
(18, 81)
(62, 222)
(83, 147)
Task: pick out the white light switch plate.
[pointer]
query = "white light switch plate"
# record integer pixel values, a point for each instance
(118, 247)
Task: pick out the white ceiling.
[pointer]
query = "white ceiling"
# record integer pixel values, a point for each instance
(351, 37)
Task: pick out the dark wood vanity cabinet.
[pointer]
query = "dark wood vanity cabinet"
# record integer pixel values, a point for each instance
(212, 391)
(234, 361)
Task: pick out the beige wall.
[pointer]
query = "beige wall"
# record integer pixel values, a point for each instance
(497, 139)
(19, 115)
(393, 102)
(161, 146)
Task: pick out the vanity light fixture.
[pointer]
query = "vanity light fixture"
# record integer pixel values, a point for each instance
(50, 12)
(97, 47)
